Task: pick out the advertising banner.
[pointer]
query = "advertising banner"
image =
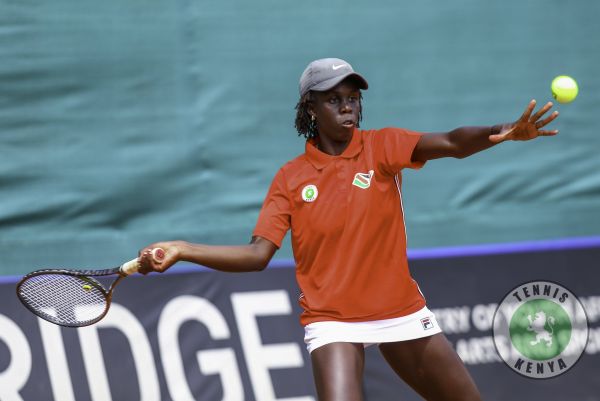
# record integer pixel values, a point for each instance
(193, 334)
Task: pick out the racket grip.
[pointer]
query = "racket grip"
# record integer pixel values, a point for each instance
(130, 267)
(127, 268)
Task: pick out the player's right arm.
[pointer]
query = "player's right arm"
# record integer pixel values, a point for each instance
(273, 223)
(228, 258)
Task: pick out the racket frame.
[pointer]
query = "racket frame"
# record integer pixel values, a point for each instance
(88, 276)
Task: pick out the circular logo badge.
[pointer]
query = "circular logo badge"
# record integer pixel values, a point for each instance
(310, 193)
(540, 329)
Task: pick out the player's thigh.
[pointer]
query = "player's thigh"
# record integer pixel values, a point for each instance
(338, 370)
(432, 368)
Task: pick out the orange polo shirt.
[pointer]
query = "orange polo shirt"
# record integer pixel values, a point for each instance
(347, 222)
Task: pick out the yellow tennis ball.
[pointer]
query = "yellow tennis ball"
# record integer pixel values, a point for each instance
(87, 287)
(564, 89)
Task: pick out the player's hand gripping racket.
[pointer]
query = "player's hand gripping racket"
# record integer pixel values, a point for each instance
(73, 298)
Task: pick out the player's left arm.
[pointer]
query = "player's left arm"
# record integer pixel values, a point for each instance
(465, 141)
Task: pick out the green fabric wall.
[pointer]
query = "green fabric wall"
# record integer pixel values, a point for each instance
(125, 122)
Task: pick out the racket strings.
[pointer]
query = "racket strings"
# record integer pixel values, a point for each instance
(64, 299)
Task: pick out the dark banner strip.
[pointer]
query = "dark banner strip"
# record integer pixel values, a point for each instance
(198, 335)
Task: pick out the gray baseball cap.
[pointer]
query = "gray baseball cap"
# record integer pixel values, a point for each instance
(325, 73)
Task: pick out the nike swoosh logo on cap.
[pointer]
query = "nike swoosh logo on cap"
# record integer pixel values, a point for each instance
(337, 67)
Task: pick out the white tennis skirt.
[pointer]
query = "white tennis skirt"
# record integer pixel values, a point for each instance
(416, 325)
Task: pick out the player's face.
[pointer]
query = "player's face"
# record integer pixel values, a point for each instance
(337, 111)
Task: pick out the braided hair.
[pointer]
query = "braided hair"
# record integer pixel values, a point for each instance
(304, 124)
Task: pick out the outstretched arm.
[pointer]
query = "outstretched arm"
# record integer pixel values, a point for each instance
(241, 258)
(465, 141)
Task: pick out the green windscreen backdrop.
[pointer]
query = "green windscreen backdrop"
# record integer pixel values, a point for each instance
(128, 122)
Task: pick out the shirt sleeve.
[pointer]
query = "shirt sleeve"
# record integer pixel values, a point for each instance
(394, 148)
(275, 214)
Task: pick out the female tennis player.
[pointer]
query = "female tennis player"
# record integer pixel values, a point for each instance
(341, 198)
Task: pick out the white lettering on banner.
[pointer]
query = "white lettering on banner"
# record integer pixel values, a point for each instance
(223, 363)
(453, 320)
(122, 319)
(482, 316)
(178, 311)
(592, 308)
(14, 377)
(247, 306)
(579, 339)
(56, 358)
(477, 350)
(593, 345)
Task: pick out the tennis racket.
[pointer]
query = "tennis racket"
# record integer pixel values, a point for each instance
(73, 298)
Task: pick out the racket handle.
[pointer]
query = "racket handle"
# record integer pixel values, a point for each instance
(127, 268)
